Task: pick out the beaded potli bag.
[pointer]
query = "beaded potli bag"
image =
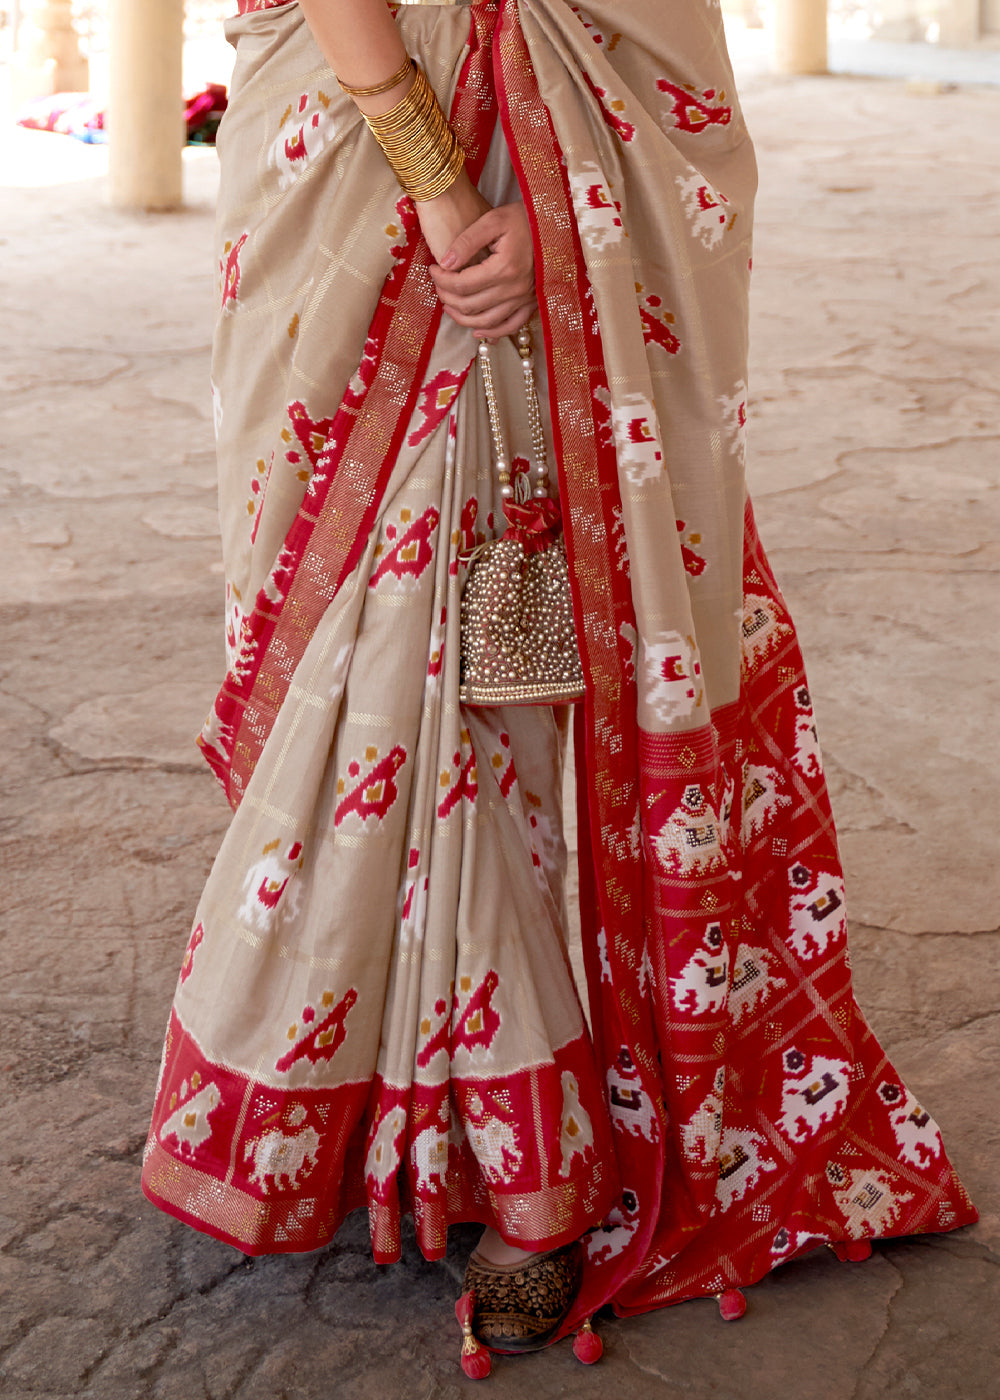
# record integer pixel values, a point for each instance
(518, 637)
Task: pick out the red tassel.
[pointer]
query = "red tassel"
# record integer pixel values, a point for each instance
(732, 1304)
(587, 1345)
(535, 523)
(476, 1361)
(852, 1251)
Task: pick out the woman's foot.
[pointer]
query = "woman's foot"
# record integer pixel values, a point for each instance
(521, 1304)
(495, 1249)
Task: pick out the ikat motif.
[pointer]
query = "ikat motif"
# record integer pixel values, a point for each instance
(374, 1008)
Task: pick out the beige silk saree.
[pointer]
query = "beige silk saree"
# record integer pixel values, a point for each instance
(375, 1008)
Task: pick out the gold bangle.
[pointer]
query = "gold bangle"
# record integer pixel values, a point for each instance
(418, 142)
(379, 88)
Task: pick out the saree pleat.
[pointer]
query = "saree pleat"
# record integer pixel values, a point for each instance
(376, 1007)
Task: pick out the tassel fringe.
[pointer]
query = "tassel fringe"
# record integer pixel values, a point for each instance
(732, 1304)
(587, 1345)
(852, 1251)
(476, 1361)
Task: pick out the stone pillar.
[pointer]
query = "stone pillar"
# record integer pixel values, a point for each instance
(145, 113)
(48, 57)
(962, 23)
(800, 36)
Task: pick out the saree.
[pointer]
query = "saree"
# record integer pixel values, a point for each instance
(375, 1008)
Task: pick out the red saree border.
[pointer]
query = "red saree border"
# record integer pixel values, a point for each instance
(679, 1230)
(329, 532)
(588, 488)
(275, 1170)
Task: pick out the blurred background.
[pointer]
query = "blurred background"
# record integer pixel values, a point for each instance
(101, 57)
(864, 36)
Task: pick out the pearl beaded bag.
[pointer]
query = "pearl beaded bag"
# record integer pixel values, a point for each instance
(518, 637)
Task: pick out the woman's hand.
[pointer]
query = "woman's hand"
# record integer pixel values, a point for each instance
(445, 217)
(486, 276)
(485, 265)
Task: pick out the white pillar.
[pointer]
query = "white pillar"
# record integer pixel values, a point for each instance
(145, 113)
(800, 36)
(48, 57)
(961, 23)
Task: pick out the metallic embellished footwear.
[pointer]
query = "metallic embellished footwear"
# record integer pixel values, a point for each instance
(520, 1307)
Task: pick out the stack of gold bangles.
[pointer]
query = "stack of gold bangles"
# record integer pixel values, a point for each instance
(418, 143)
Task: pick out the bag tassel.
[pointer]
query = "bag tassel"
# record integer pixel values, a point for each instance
(852, 1251)
(587, 1345)
(732, 1304)
(476, 1361)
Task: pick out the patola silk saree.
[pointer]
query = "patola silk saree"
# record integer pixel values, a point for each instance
(375, 1008)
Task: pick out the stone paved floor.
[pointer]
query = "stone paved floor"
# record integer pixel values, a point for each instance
(876, 425)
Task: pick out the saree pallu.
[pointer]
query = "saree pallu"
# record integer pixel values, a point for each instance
(375, 1007)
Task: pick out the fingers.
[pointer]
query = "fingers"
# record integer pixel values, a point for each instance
(500, 277)
(486, 280)
(488, 319)
(475, 304)
(506, 266)
(513, 323)
(493, 321)
(478, 278)
(474, 240)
